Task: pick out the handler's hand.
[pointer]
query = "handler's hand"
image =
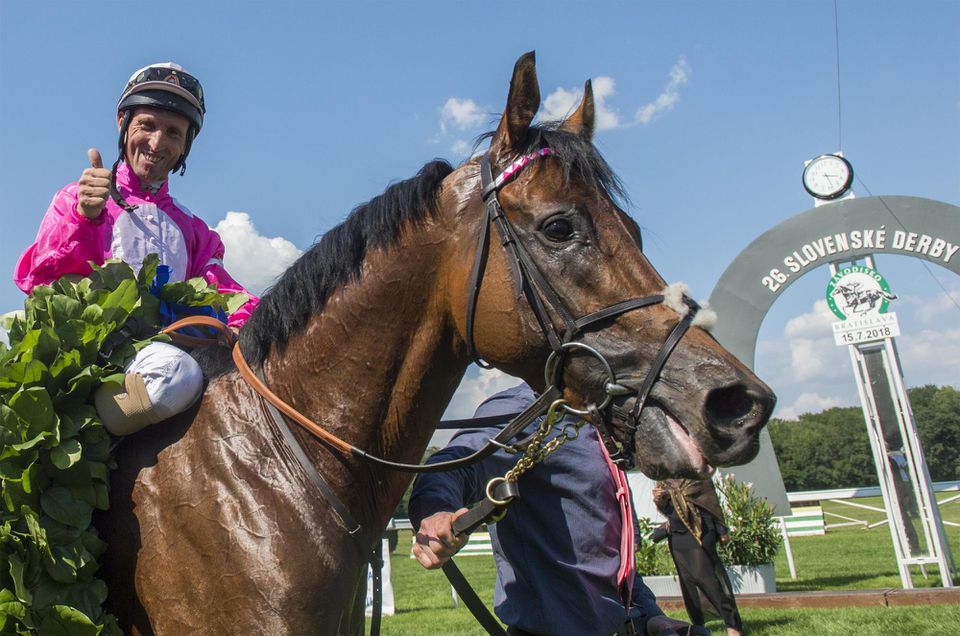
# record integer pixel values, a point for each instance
(94, 186)
(435, 542)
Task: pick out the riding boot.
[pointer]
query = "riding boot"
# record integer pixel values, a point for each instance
(125, 409)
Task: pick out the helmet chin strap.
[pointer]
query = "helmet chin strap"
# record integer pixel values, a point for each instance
(114, 193)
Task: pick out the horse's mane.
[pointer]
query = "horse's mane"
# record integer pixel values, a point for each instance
(336, 259)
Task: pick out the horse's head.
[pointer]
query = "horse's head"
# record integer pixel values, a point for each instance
(565, 276)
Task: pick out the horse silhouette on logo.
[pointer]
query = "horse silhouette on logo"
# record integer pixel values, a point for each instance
(857, 300)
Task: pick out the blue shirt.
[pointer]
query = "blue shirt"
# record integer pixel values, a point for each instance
(558, 549)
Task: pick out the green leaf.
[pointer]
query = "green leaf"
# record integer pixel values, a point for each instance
(62, 506)
(148, 271)
(92, 314)
(16, 569)
(236, 301)
(34, 406)
(66, 454)
(62, 620)
(11, 607)
(27, 373)
(63, 308)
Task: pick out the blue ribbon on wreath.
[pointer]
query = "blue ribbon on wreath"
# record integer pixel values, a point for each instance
(172, 312)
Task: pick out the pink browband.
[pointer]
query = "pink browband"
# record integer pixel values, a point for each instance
(514, 168)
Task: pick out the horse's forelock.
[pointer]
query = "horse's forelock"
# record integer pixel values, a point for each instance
(578, 156)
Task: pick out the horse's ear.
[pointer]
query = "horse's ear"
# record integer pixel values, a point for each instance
(582, 119)
(522, 104)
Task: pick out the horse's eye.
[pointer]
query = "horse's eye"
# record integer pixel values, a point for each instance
(558, 230)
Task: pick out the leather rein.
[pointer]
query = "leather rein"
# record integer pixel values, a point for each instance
(539, 293)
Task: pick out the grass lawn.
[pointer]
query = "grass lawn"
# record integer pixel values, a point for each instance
(846, 558)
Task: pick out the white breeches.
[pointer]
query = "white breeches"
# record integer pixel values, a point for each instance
(173, 379)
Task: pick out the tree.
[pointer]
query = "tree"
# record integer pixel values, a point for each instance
(823, 450)
(937, 413)
(831, 449)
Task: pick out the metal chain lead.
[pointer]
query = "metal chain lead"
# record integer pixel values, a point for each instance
(537, 450)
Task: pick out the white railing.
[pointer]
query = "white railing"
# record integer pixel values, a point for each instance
(843, 495)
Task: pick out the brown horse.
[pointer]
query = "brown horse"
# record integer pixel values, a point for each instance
(216, 527)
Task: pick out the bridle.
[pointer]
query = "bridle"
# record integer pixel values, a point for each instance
(539, 293)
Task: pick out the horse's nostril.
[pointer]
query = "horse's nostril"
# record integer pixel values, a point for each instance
(729, 403)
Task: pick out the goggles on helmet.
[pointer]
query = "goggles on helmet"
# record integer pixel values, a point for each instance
(184, 94)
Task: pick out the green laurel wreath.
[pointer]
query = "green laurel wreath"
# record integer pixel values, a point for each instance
(55, 458)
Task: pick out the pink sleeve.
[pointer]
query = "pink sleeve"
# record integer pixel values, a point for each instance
(65, 243)
(207, 260)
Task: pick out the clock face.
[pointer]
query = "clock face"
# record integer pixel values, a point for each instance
(828, 176)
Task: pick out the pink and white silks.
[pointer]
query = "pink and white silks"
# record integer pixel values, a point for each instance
(68, 241)
(160, 224)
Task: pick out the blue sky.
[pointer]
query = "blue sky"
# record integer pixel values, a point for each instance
(708, 111)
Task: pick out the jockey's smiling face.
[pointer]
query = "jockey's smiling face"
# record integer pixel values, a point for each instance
(155, 140)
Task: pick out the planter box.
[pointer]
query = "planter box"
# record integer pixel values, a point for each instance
(663, 585)
(745, 579)
(748, 579)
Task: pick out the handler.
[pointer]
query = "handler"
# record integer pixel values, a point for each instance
(128, 213)
(564, 551)
(695, 525)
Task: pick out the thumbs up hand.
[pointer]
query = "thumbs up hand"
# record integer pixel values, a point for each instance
(94, 186)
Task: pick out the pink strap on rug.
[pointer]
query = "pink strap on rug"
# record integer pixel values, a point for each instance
(627, 548)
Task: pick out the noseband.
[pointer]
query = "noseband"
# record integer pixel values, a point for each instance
(539, 293)
(528, 280)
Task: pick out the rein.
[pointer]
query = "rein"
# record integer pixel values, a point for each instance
(539, 293)
(228, 338)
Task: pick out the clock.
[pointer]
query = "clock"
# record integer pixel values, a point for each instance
(828, 176)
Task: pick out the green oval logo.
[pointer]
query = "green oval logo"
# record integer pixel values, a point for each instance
(858, 291)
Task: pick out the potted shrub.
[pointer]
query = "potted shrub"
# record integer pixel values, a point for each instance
(754, 537)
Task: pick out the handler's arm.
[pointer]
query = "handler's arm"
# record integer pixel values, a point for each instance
(439, 498)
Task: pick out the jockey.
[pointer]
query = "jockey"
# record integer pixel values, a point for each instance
(127, 213)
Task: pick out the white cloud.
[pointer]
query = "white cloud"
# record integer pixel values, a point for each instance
(465, 114)
(679, 75)
(474, 389)
(461, 148)
(805, 364)
(814, 324)
(808, 359)
(252, 259)
(807, 403)
(809, 340)
(933, 309)
(5, 321)
(462, 113)
(561, 102)
(931, 356)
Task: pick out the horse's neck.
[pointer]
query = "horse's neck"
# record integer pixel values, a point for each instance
(376, 368)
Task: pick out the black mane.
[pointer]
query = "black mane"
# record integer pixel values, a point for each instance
(337, 257)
